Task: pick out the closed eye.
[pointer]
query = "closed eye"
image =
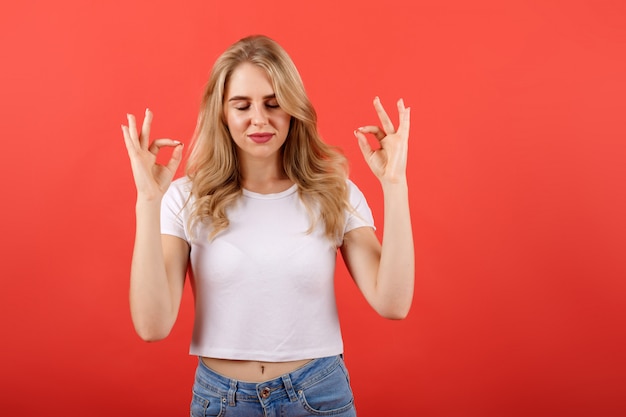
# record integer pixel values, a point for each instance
(242, 103)
(268, 105)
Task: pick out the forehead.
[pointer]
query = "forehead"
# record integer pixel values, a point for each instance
(249, 80)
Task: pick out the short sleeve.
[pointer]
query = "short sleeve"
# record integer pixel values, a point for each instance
(174, 209)
(361, 216)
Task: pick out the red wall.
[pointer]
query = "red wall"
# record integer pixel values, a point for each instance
(517, 174)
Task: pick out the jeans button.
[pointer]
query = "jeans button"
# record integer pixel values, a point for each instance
(265, 392)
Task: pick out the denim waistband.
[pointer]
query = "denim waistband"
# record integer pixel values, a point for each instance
(284, 386)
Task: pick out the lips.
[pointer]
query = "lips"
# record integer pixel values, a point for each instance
(260, 137)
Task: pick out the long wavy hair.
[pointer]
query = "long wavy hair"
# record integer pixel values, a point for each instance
(319, 170)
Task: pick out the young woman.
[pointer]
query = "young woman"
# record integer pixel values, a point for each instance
(258, 219)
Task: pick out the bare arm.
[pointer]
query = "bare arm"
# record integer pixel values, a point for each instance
(385, 273)
(159, 262)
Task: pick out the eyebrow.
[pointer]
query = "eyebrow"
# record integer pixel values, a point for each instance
(244, 98)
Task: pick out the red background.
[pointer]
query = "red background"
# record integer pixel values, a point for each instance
(517, 180)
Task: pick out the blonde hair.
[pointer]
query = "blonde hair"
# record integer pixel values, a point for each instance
(319, 170)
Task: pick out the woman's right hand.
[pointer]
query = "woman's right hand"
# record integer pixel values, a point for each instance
(151, 179)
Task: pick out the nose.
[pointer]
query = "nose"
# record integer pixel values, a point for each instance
(259, 117)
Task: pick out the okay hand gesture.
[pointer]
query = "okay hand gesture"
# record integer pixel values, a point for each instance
(388, 162)
(151, 179)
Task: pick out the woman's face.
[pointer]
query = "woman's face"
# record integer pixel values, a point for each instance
(258, 126)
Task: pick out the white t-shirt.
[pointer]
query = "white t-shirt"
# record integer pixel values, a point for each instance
(263, 287)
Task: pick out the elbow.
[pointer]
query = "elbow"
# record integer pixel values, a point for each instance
(394, 312)
(397, 317)
(393, 307)
(150, 332)
(151, 325)
(394, 315)
(151, 336)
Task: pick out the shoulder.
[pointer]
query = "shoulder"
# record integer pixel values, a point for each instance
(178, 191)
(351, 185)
(182, 183)
(359, 213)
(180, 186)
(355, 195)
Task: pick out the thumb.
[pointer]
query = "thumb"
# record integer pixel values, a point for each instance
(366, 149)
(177, 156)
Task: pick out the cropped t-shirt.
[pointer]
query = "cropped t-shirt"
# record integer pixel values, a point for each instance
(263, 287)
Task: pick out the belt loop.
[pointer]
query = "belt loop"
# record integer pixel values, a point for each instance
(289, 388)
(231, 392)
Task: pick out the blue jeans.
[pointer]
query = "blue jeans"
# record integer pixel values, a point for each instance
(319, 388)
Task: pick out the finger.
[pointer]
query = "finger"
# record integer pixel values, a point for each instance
(405, 120)
(130, 145)
(132, 130)
(374, 130)
(144, 138)
(176, 157)
(384, 118)
(400, 105)
(366, 149)
(160, 143)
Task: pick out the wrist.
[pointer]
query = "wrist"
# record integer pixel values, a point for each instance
(395, 185)
(148, 201)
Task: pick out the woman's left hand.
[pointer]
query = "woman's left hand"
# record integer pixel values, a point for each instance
(388, 162)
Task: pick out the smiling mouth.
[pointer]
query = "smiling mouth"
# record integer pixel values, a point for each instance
(261, 137)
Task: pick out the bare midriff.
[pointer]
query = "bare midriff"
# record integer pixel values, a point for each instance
(252, 371)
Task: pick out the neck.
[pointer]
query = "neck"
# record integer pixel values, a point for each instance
(264, 176)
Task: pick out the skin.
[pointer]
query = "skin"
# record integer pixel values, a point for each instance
(384, 273)
(251, 107)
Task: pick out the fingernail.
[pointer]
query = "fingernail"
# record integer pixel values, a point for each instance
(147, 110)
(355, 132)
